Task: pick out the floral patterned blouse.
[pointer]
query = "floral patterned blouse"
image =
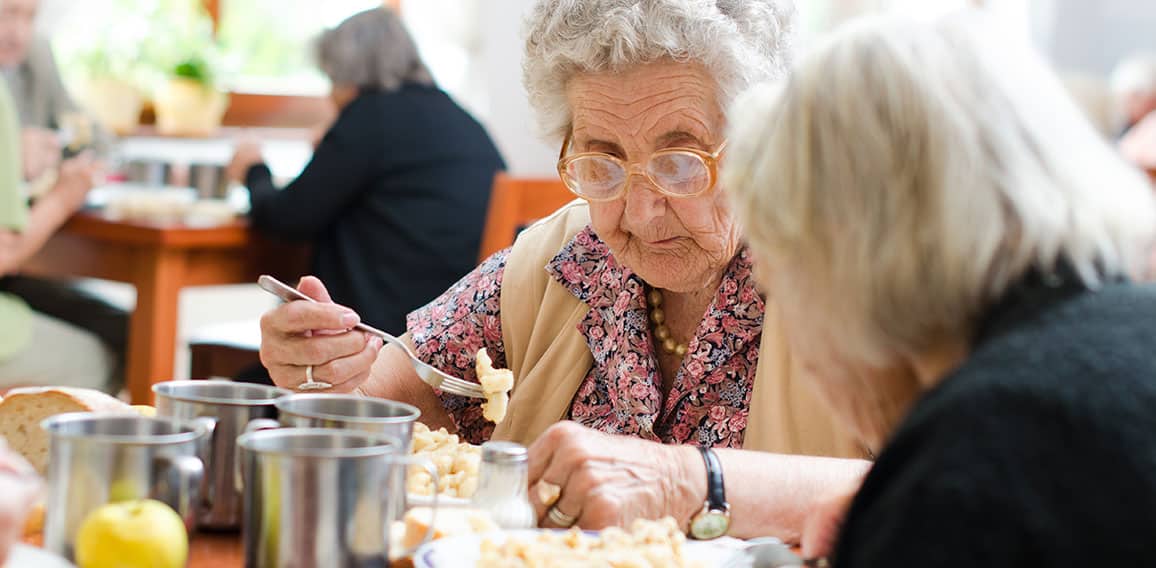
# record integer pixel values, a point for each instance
(709, 399)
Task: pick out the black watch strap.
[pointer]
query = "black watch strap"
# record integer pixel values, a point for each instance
(716, 495)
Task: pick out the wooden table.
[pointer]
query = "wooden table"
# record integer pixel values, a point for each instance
(159, 261)
(216, 551)
(206, 550)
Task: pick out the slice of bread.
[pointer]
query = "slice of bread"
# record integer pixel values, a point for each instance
(34, 522)
(448, 522)
(22, 410)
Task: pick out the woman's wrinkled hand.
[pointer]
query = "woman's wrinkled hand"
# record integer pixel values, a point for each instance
(40, 149)
(77, 177)
(19, 489)
(610, 480)
(246, 154)
(300, 334)
(825, 520)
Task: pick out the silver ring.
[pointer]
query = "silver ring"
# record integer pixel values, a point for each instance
(559, 518)
(310, 384)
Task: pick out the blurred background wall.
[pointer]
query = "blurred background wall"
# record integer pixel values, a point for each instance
(474, 46)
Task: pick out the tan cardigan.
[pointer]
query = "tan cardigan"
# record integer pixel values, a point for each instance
(550, 358)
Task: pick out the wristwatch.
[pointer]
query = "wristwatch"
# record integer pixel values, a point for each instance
(714, 519)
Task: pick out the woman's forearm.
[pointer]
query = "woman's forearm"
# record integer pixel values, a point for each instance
(45, 217)
(392, 377)
(771, 494)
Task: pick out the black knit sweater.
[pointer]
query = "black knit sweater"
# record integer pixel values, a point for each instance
(1040, 450)
(393, 201)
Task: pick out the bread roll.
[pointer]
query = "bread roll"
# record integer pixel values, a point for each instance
(448, 522)
(34, 523)
(22, 410)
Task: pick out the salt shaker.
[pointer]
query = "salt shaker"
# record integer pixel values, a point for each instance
(502, 486)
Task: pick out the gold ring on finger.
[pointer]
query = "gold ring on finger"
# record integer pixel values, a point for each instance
(556, 516)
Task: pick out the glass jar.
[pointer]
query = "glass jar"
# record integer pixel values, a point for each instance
(502, 486)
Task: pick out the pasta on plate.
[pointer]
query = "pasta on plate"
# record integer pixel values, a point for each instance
(647, 544)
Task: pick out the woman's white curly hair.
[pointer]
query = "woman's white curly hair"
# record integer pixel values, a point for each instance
(741, 42)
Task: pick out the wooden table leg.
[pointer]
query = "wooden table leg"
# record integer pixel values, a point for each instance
(152, 337)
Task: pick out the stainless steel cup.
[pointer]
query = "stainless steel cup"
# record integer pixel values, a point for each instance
(94, 459)
(318, 497)
(228, 407)
(374, 415)
(151, 173)
(210, 180)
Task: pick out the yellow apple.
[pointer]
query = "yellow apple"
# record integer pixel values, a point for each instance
(132, 534)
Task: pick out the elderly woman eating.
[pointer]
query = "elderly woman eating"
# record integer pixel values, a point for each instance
(630, 314)
(394, 196)
(930, 200)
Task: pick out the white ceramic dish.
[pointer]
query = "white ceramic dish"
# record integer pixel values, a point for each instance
(427, 501)
(24, 556)
(463, 551)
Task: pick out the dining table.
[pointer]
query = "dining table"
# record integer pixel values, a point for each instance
(159, 260)
(206, 550)
(215, 550)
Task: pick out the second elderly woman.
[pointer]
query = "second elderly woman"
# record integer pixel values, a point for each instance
(630, 313)
(983, 237)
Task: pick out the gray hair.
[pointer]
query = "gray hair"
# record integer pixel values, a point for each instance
(1135, 74)
(741, 42)
(371, 50)
(906, 175)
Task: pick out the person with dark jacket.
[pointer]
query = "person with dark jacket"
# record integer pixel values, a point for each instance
(953, 248)
(395, 196)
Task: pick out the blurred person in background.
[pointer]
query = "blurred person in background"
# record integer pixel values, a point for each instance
(37, 348)
(1133, 83)
(39, 99)
(395, 196)
(951, 213)
(29, 68)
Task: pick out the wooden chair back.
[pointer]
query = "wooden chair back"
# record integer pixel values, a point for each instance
(518, 202)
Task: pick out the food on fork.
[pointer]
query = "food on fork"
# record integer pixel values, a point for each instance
(23, 409)
(457, 463)
(548, 493)
(496, 384)
(647, 544)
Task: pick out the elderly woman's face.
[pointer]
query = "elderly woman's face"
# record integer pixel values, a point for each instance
(679, 244)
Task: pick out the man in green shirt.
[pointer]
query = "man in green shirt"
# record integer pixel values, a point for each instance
(40, 99)
(36, 349)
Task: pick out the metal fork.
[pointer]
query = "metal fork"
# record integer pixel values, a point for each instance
(428, 374)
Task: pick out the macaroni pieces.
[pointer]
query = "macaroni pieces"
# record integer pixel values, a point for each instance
(649, 544)
(457, 463)
(496, 384)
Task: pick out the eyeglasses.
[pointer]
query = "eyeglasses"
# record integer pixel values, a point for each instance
(675, 172)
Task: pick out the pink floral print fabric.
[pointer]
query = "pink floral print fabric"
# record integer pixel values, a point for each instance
(709, 400)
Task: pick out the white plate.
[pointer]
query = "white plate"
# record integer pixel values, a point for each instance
(24, 556)
(426, 501)
(463, 551)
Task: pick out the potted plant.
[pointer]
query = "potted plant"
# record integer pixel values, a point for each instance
(108, 85)
(189, 103)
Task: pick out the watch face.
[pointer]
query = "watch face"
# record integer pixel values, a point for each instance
(709, 524)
